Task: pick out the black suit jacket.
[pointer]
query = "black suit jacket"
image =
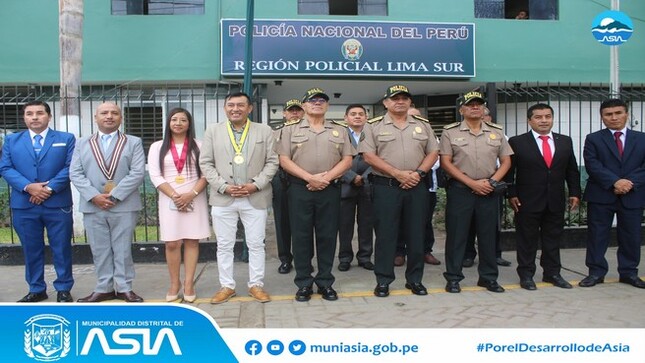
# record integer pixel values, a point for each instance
(605, 167)
(537, 186)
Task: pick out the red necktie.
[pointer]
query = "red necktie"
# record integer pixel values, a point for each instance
(619, 142)
(546, 151)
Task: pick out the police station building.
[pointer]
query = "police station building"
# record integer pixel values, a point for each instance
(153, 55)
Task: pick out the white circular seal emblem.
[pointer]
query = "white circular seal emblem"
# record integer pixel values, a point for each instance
(47, 337)
(352, 49)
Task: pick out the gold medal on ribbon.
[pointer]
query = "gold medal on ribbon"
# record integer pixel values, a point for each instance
(238, 159)
(179, 179)
(417, 130)
(109, 185)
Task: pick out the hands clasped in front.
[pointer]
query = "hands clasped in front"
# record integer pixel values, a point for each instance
(38, 192)
(623, 186)
(184, 201)
(317, 182)
(408, 178)
(240, 191)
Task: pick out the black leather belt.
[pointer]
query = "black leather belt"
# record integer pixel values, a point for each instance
(456, 183)
(381, 180)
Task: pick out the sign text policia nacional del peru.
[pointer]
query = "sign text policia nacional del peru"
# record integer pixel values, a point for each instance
(333, 48)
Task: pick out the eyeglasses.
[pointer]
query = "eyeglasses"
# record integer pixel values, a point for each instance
(317, 100)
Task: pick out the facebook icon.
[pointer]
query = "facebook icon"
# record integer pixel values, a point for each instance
(253, 347)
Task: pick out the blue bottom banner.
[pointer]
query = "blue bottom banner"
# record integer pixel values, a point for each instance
(181, 333)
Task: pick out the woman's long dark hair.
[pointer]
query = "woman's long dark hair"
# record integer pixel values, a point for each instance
(192, 155)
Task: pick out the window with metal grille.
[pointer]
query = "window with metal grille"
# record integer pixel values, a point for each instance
(342, 7)
(157, 7)
(145, 122)
(510, 9)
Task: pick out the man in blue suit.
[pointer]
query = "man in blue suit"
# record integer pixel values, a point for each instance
(35, 163)
(615, 161)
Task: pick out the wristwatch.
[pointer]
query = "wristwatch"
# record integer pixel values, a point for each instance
(421, 173)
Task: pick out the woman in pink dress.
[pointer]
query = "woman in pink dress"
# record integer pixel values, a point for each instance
(183, 208)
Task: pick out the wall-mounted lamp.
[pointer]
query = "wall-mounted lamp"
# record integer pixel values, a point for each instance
(337, 95)
(273, 111)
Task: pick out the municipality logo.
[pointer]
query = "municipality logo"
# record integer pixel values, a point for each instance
(612, 28)
(47, 337)
(352, 50)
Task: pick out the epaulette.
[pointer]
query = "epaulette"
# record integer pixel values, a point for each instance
(493, 125)
(292, 122)
(452, 125)
(417, 117)
(375, 119)
(340, 123)
(278, 127)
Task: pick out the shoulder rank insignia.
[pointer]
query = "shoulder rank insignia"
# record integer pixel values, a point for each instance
(278, 127)
(340, 123)
(495, 126)
(417, 117)
(452, 125)
(375, 119)
(292, 122)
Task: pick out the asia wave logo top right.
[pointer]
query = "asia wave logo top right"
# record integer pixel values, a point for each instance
(612, 27)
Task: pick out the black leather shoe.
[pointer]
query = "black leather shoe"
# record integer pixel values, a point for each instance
(367, 265)
(97, 297)
(285, 268)
(129, 296)
(64, 296)
(528, 284)
(591, 280)
(34, 297)
(557, 281)
(633, 280)
(502, 262)
(417, 288)
(304, 294)
(453, 287)
(490, 285)
(344, 266)
(382, 290)
(468, 262)
(328, 293)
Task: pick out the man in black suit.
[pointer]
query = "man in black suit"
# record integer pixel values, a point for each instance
(356, 200)
(615, 161)
(543, 162)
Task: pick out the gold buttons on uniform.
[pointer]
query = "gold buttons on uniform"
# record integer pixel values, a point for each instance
(335, 133)
(417, 130)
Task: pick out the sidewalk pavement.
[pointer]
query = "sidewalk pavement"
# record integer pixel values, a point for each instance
(608, 305)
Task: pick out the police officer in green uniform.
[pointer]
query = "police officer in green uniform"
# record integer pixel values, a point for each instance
(292, 111)
(401, 149)
(469, 151)
(315, 152)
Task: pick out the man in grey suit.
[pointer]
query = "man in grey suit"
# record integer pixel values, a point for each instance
(107, 169)
(238, 160)
(355, 199)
